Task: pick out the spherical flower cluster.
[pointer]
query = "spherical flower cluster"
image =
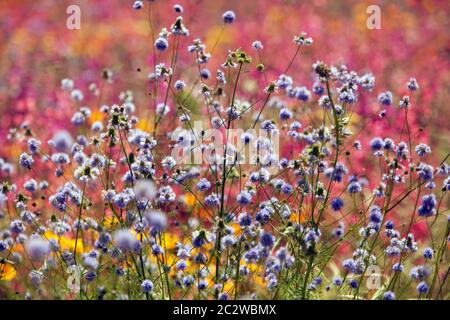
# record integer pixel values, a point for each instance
(229, 17)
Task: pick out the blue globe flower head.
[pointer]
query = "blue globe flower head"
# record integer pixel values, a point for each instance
(266, 239)
(245, 220)
(389, 225)
(354, 187)
(389, 295)
(422, 149)
(337, 204)
(428, 206)
(205, 74)
(376, 144)
(425, 172)
(90, 276)
(223, 296)
(229, 17)
(147, 286)
(318, 88)
(422, 287)
(428, 253)
(375, 214)
(337, 281)
(161, 44)
(353, 283)
(385, 98)
(137, 5)
(244, 198)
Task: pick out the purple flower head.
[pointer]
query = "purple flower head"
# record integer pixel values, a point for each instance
(125, 240)
(428, 206)
(229, 17)
(37, 248)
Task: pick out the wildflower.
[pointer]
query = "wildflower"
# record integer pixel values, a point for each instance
(125, 240)
(412, 84)
(228, 241)
(446, 184)
(337, 281)
(284, 81)
(389, 295)
(354, 186)
(156, 219)
(419, 273)
(244, 198)
(428, 206)
(285, 114)
(318, 88)
(16, 226)
(397, 267)
(90, 275)
(425, 172)
(376, 144)
(86, 173)
(257, 45)
(302, 93)
(422, 288)
(303, 40)
(33, 145)
(3, 245)
(166, 194)
(161, 44)
(266, 239)
(162, 109)
(61, 141)
(223, 296)
(389, 144)
(339, 230)
(178, 8)
(147, 286)
(37, 248)
(212, 200)
(385, 98)
(404, 102)
(36, 277)
(137, 5)
(422, 149)
(67, 84)
(184, 138)
(244, 219)
(30, 185)
(179, 85)
(375, 214)
(203, 185)
(337, 173)
(353, 283)
(26, 160)
(229, 17)
(220, 76)
(367, 81)
(168, 163)
(402, 150)
(76, 95)
(181, 265)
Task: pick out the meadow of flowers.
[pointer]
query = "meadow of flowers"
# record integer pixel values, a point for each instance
(224, 150)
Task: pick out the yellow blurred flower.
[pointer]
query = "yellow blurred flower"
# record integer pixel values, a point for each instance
(170, 240)
(189, 200)
(295, 218)
(96, 116)
(110, 221)
(145, 124)
(7, 272)
(66, 243)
